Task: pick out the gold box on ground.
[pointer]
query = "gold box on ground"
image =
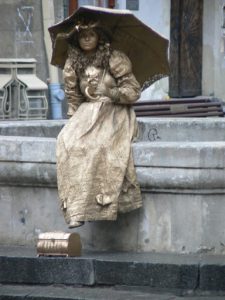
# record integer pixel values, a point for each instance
(59, 244)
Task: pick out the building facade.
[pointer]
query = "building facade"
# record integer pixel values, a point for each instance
(24, 34)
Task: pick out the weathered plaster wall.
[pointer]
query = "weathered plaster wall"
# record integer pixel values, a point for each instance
(21, 34)
(213, 49)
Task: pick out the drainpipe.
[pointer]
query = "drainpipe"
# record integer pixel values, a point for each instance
(56, 93)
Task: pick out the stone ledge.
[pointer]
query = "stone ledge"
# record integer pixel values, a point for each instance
(46, 270)
(162, 271)
(31, 161)
(28, 174)
(197, 155)
(93, 271)
(155, 275)
(151, 179)
(38, 292)
(212, 273)
(181, 129)
(181, 178)
(33, 128)
(151, 129)
(153, 270)
(27, 149)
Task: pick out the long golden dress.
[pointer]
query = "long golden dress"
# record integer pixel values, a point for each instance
(95, 168)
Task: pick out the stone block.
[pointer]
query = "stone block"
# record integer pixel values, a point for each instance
(213, 224)
(46, 270)
(150, 129)
(181, 129)
(182, 223)
(40, 128)
(163, 276)
(27, 149)
(119, 235)
(167, 223)
(28, 174)
(21, 292)
(181, 178)
(26, 212)
(212, 273)
(196, 155)
(10, 292)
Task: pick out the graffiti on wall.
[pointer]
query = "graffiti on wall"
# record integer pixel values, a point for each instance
(24, 24)
(153, 135)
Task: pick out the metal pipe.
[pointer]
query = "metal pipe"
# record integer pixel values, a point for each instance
(56, 93)
(48, 20)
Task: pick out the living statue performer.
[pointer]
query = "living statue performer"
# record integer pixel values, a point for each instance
(95, 168)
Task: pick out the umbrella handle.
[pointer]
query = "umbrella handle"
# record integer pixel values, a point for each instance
(89, 96)
(87, 88)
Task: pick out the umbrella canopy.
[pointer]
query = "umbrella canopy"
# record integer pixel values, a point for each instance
(146, 49)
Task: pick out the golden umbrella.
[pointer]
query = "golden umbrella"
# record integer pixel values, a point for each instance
(146, 49)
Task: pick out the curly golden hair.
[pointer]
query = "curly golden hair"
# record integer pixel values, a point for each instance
(98, 59)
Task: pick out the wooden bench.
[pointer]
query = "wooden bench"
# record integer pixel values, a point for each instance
(185, 107)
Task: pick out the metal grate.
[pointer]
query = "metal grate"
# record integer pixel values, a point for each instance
(22, 93)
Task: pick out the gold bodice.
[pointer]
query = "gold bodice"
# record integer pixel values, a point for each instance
(92, 78)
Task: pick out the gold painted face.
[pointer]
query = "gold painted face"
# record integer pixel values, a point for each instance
(88, 40)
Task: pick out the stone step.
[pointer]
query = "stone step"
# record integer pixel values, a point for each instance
(164, 272)
(181, 129)
(37, 128)
(170, 165)
(151, 129)
(197, 155)
(62, 292)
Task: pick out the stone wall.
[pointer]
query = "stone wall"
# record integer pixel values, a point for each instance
(183, 188)
(21, 32)
(213, 70)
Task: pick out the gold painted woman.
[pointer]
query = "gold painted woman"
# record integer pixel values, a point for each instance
(95, 168)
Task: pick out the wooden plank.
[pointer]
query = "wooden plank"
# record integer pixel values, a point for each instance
(191, 48)
(174, 50)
